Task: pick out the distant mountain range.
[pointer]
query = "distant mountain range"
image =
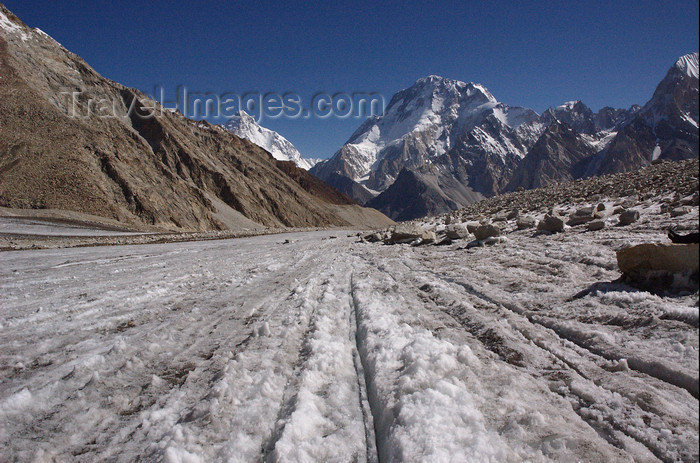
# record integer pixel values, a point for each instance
(245, 126)
(442, 143)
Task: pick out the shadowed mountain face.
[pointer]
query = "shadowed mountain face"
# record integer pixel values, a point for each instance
(115, 160)
(665, 128)
(560, 155)
(461, 133)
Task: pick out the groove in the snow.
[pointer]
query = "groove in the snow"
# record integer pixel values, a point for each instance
(291, 391)
(370, 387)
(367, 417)
(603, 429)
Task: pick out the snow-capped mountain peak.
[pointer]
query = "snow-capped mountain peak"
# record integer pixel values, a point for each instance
(281, 149)
(420, 123)
(688, 64)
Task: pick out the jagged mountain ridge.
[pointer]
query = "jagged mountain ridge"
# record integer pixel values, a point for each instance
(162, 173)
(420, 124)
(477, 143)
(245, 126)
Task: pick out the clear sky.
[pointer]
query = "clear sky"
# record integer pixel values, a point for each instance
(527, 53)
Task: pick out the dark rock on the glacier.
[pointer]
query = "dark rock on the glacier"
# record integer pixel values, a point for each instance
(373, 237)
(456, 232)
(551, 224)
(526, 221)
(601, 207)
(628, 217)
(446, 241)
(660, 264)
(409, 233)
(679, 211)
(582, 215)
(486, 231)
(596, 225)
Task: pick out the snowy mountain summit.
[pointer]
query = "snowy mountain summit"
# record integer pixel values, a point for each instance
(281, 149)
(442, 143)
(421, 123)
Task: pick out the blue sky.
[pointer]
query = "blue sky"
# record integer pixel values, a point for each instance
(534, 54)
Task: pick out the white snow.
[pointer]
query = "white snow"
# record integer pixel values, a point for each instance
(332, 350)
(281, 149)
(433, 112)
(12, 28)
(688, 64)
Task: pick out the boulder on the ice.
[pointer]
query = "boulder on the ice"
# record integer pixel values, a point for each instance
(501, 217)
(551, 224)
(679, 211)
(373, 237)
(472, 226)
(629, 216)
(660, 263)
(525, 221)
(596, 225)
(408, 233)
(456, 232)
(486, 231)
(583, 215)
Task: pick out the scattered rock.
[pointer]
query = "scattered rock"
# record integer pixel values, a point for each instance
(551, 223)
(446, 241)
(629, 216)
(471, 227)
(618, 210)
(583, 215)
(456, 232)
(373, 237)
(658, 263)
(601, 207)
(407, 233)
(596, 225)
(679, 211)
(514, 214)
(526, 221)
(486, 231)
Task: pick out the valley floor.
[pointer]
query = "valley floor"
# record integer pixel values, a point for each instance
(326, 349)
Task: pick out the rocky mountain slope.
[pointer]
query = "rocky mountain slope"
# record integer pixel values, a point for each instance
(420, 124)
(245, 126)
(475, 144)
(665, 128)
(105, 154)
